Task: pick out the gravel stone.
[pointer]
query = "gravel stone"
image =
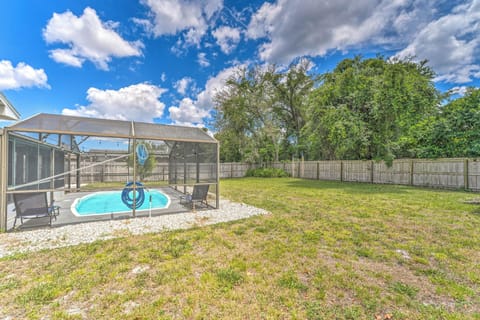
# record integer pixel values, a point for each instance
(71, 235)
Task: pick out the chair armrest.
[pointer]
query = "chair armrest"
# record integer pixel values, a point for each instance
(54, 210)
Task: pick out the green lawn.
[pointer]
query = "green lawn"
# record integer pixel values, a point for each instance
(327, 250)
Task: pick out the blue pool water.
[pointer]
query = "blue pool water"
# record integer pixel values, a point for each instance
(111, 202)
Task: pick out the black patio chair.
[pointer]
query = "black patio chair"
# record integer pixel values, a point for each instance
(199, 195)
(32, 205)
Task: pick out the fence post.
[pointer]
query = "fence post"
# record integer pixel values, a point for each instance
(412, 162)
(231, 170)
(371, 171)
(318, 170)
(465, 174)
(301, 168)
(341, 171)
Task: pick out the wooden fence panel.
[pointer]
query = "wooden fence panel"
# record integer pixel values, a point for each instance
(160, 173)
(473, 174)
(357, 171)
(399, 173)
(330, 170)
(309, 170)
(234, 169)
(443, 173)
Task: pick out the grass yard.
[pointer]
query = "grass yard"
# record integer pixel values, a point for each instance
(328, 251)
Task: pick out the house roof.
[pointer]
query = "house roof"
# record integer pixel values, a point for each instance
(82, 126)
(7, 111)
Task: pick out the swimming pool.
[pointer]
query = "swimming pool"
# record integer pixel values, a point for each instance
(109, 202)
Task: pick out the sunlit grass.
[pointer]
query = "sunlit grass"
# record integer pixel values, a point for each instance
(327, 250)
(119, 185)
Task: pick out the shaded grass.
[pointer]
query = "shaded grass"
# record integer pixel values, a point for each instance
(327, 251)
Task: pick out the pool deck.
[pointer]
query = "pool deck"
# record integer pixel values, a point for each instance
(66, 217)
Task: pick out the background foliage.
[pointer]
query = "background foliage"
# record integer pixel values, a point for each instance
(374, 108)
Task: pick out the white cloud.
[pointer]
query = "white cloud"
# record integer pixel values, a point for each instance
(182, 85)
(187, 113)
(214, 85)
(311, 27)
(138, 102)
(169, 17)
(262, 22)
(451, 44)
(202, 59)
(21, 76)
(65, 56)
(460, 90)
(194, 111)
(227, 38)
(194, 35)
(450, 41)
(87, 38)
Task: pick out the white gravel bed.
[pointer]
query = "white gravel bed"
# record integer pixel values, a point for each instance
(70, 235)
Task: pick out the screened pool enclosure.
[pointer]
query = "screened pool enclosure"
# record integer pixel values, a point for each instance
(60, 154)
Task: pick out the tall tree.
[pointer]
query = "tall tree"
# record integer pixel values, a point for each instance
(244, 118)
(374, 102)
(291, 91)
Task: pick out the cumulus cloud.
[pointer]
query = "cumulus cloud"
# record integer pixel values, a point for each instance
(214, 85)
(187, 113)
(138, 102)
(227, 38)
(312, 28)
(21, 76)
(262, 22)
(87, 38)
(451, 44)
(169, 17)
(183, 84)
(202, 59)
(194, 35)
(194, 111)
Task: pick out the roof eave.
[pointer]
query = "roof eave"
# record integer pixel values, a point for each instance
(10, 113)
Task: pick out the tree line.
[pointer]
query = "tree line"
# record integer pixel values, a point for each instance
(375, 108)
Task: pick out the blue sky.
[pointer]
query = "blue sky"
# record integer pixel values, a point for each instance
(163, 60)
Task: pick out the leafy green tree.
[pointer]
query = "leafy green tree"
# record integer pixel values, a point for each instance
(291, 91)
(261, 112)
(244, 118)
(453, 132)
(339, 134)
(364, 108)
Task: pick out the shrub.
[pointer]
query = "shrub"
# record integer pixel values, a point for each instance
(266, 173)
